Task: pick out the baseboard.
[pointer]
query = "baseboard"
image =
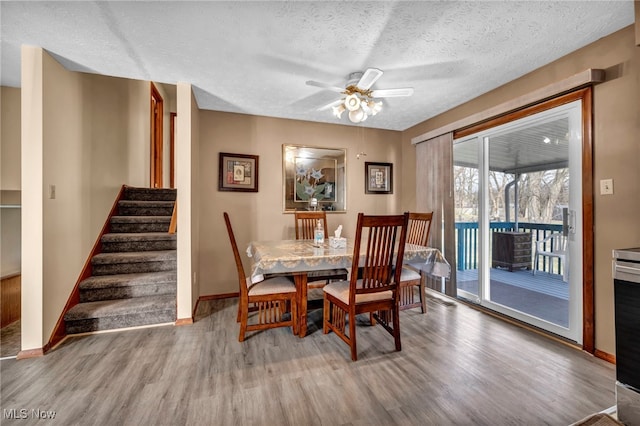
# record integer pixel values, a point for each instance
(213, 297)
(30, 353)
(184, 321)
(218, 296)
(605, 356)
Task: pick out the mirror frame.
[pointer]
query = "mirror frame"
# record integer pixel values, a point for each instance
(329, 185)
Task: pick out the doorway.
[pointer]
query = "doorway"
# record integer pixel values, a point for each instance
(172, 150)
(519, 218)
(157, 111)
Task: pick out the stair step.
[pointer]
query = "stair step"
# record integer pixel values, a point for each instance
(128, 224)
(134, 278)
(133, 193)
(133, 262)
(142, 241)
(124, 286)
(145, 208)
(111, 314)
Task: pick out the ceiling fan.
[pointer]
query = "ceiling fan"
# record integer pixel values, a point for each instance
(359, 98)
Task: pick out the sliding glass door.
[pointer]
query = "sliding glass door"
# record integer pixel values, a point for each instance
(518, 219)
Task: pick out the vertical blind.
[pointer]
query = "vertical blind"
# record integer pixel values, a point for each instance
(434, 192)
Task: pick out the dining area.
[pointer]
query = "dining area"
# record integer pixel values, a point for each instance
(376, 273)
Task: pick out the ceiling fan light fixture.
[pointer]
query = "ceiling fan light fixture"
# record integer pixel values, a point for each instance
(375, 107)
(357, 116)
(359, 96)
(352, 102)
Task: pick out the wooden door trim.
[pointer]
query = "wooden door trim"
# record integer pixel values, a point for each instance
(586, 95)
(172, 150)
(156, 151)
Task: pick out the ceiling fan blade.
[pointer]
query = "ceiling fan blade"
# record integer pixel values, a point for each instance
(392, 93)
(325, 86)
(331, 105)
(368, 78)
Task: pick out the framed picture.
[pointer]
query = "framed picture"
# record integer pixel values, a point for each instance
(378, 178)
(238, 172)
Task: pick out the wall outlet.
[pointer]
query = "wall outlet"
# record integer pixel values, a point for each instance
(606, 187)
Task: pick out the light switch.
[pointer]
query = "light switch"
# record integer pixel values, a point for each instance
(52, 192)
(606, 187)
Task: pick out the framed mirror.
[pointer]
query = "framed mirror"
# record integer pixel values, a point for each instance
(314, 178)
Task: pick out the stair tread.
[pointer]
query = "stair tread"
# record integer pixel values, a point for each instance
(163, 203)
(137, 219)
(134, 257)
(137, 236)
(135, 193)
(109, 308)
(122, 280)
(120, 294)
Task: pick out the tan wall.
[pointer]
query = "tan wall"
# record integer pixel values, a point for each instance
(10, 138)
(616, 151)
(64, 217)
(10, 180)
(259, 216)
(32, 199)
(186, 182)
(94, 137)
(10, 241)
(195, 199)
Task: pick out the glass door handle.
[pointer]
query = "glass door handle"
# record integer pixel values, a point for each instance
(568, 221)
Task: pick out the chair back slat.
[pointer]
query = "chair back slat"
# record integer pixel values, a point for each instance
(419, 228)
(242, 278)
(553, 243)
(382, 234)
(306, 224)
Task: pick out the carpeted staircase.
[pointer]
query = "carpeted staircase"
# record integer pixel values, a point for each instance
(133, 280)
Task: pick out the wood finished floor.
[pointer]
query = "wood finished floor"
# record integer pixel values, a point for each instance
(10, 339)
(457, 366)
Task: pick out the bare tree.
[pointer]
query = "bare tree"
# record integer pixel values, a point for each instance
(540, 194)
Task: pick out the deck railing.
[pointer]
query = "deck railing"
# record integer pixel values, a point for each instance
(467, 242)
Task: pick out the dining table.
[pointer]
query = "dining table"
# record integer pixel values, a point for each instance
(299, 257)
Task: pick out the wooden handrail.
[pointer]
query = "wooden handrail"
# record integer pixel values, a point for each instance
(173, 225)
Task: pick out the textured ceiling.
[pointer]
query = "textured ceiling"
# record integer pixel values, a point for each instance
(255, 57)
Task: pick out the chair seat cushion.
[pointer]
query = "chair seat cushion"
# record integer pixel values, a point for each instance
(273, 285)
(409, 275)
(340, 290)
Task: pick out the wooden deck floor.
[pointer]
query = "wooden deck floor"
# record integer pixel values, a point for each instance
(542, 282)
(544, 295)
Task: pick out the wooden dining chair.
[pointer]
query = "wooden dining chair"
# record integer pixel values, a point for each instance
(271, 298)
(305, 228)
(377, 290)
(417, 233)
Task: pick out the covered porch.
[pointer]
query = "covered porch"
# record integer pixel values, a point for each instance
(544, 295)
